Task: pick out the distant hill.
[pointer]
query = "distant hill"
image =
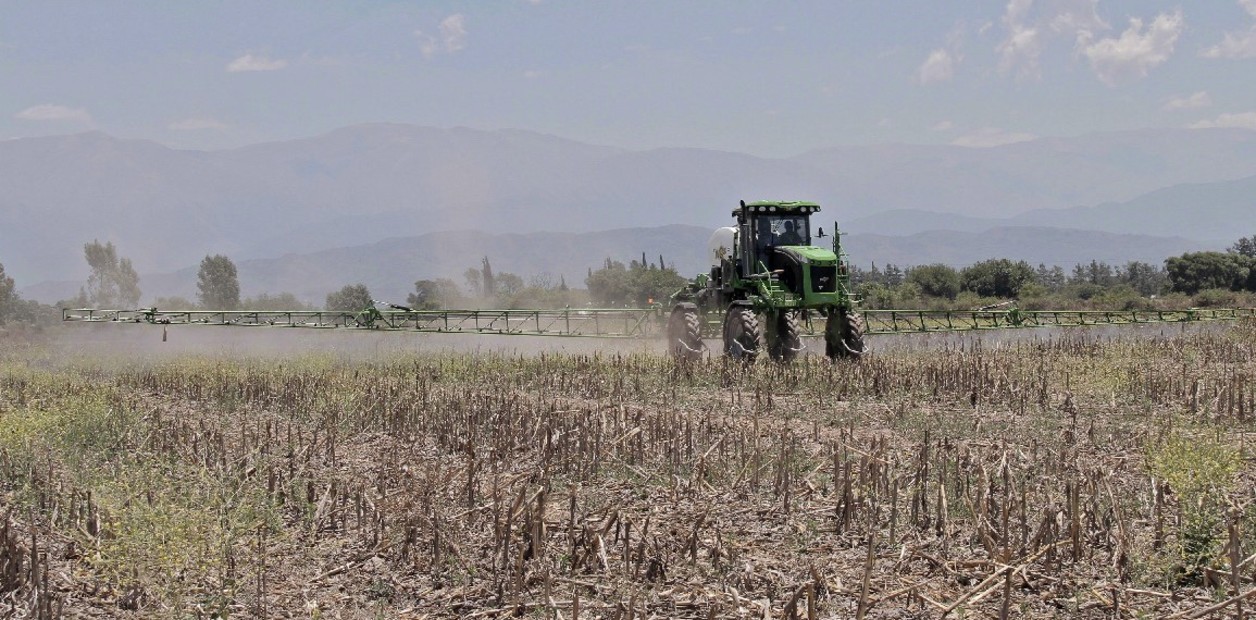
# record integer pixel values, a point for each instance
(1049, 246)
(902, 222)
(390, 267)
(168, 208)
(1224, 210)
(1046, 173)
(1211, 213)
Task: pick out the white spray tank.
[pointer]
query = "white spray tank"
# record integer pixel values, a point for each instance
(720, 246)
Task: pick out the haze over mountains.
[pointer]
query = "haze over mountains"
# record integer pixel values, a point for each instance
(1213, 212)
(371, 203)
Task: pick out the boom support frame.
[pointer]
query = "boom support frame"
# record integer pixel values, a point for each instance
(637, 322)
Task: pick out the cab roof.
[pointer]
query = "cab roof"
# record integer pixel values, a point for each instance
(777, 206)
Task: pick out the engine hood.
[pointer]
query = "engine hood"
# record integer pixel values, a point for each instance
(807, 254)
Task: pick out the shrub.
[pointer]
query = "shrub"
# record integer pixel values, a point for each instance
(1200, 471)
(1216, 298)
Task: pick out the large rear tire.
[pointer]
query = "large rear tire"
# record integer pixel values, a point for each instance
(741, 334)
(844, 336)
(684, 334)
(787, 339)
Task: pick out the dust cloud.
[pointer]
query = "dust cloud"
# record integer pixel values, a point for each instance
(1012, 337)
(144, 342)
(140, 342)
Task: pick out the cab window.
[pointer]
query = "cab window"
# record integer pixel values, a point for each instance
(774, 230)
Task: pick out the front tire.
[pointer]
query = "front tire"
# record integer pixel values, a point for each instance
(787, 340)
(684, 334)
(741, 334)
(844, 336)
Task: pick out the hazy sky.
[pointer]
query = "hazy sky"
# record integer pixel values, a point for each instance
(769, 78)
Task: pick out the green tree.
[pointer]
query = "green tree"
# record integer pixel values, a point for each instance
(351, 298)
(1096, 273)
(1196, 271)
(487, 281)
(539, 292)
(507, 284)
(438, 294)
(113, 281)
(218, 284)
(997, 277)
(475, 281)
(1245, 246)
(871, 275)
(1052, 278)
(426, 296)
(174, 303)
(609, 286)
(278, 301)
(936, 280)
(8, 298)
(637, 284)
(1145, 278)
(893, 275)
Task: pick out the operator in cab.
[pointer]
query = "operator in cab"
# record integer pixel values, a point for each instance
(788, 236)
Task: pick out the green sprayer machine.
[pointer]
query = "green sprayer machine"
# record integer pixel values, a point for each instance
(774, 283)
(767, 267)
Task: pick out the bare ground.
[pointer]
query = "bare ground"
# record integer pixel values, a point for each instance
(396, 475)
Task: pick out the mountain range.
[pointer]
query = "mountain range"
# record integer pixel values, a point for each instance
(1218, 212)
(312, 214)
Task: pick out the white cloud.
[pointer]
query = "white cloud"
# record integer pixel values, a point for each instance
(453, 31)
(942, 126)
(940, 64)
(938, 67)
(1241, 120)
(1234, 46)
(1136, 51)
(1200, 99)
(452, 37)
(1240, 45)
(1069, 18)
(533, 74)
(54, 112)
(1021, 48)
(249, 62)
(197, 123)
(1031, 27)
(991, 136)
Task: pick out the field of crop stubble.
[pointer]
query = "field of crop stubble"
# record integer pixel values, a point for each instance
(1071, 474)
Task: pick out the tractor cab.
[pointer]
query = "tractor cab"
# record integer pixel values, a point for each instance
(766, 226)
(781, 229)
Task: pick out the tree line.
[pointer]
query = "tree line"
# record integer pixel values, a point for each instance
(113, 283)
(1213, 278)
(1193, 279)
(942, 286)
(615, 284)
